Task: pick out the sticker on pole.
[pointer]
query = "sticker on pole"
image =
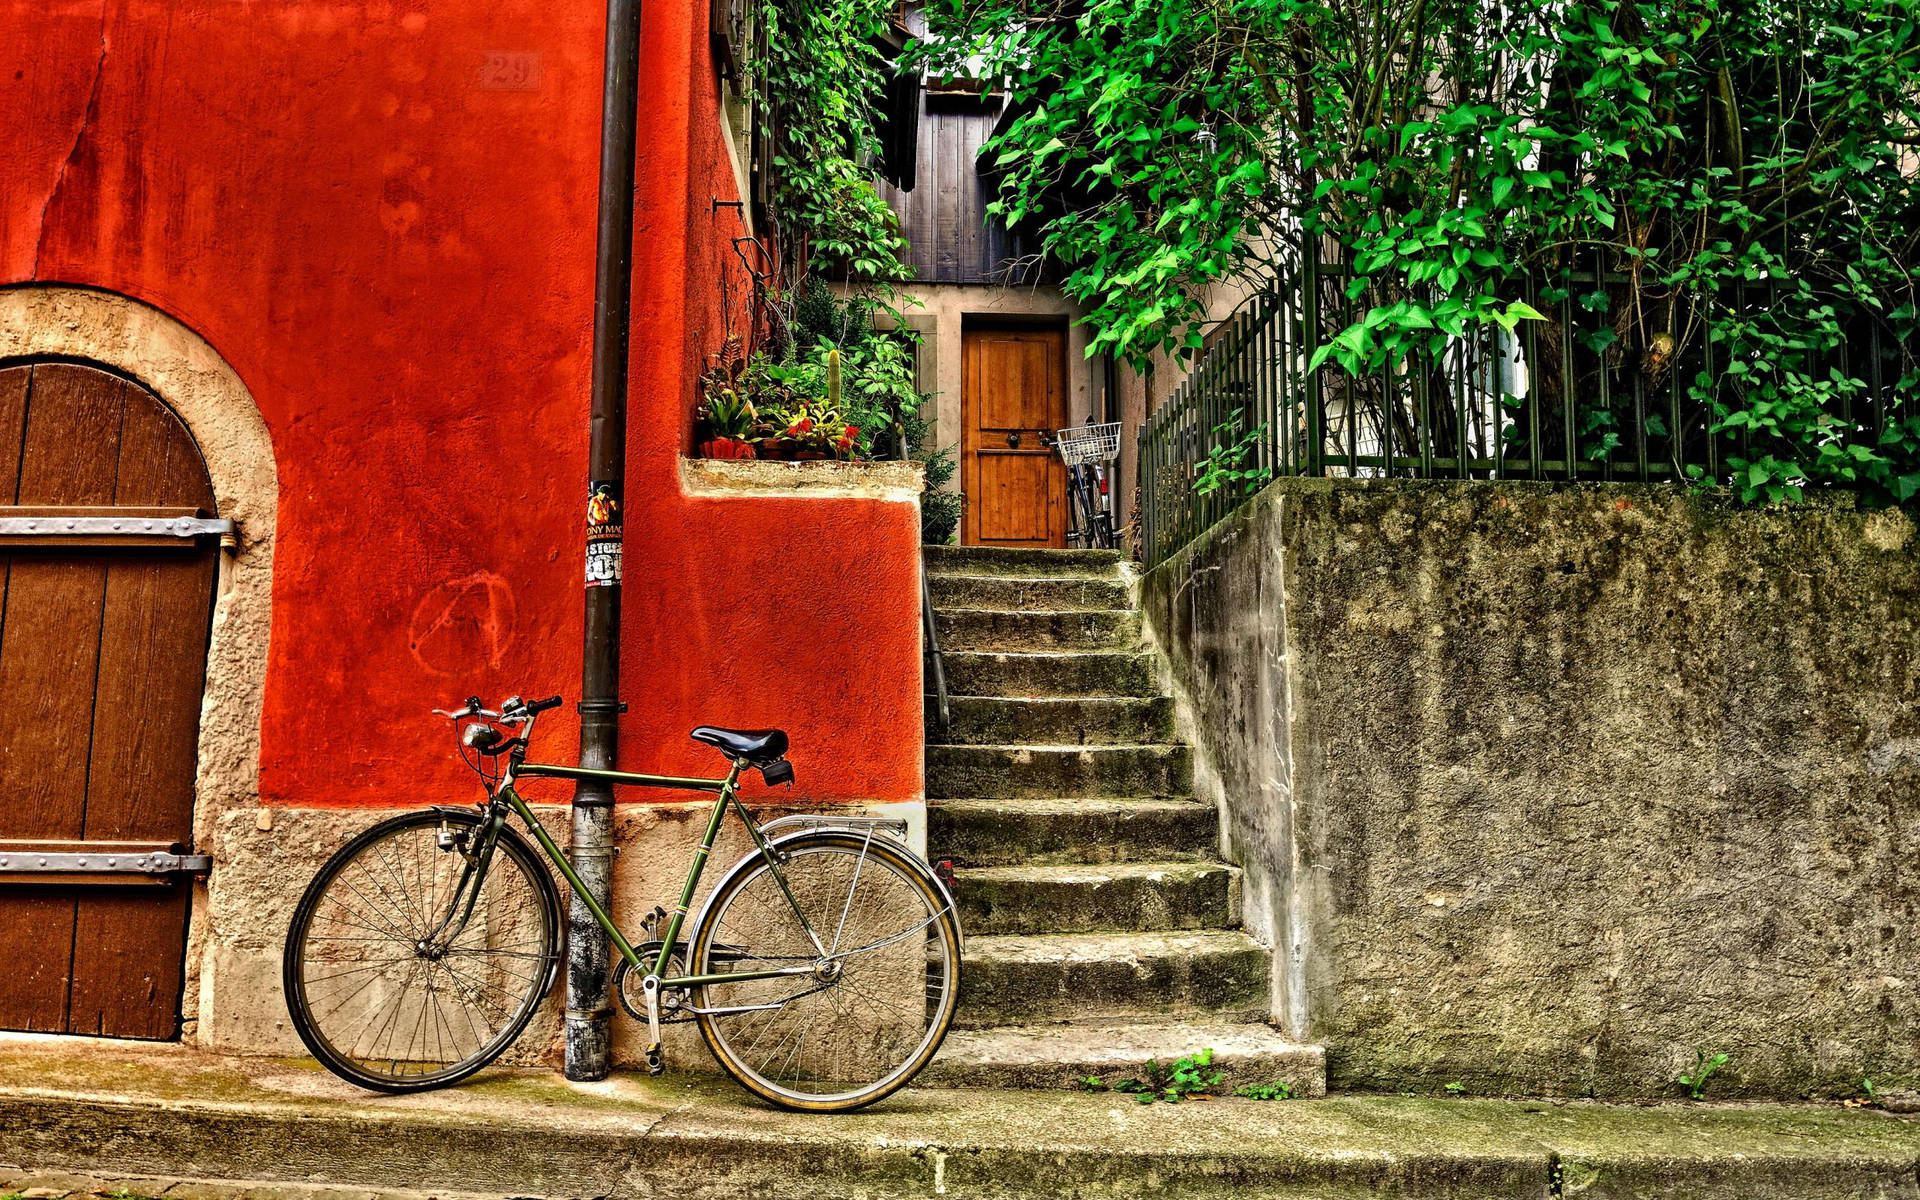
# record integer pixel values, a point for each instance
(603, 536)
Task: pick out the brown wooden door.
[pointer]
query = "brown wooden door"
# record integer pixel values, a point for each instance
(1013, 396)
(103, 656)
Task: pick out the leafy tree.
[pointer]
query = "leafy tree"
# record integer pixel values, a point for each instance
(1722, 191)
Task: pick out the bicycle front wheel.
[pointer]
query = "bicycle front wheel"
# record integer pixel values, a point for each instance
(405, 968)
(869, 1013)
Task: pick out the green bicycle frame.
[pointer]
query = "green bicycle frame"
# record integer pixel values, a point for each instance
(728, 797)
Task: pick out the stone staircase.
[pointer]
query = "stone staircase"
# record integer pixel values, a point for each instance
(1102, 929)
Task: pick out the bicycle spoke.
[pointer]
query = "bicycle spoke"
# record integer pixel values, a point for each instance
(857, 1023)
(382, 989)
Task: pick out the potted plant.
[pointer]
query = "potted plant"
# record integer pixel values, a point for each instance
(821, 428)
(723, 421)
(755, 407)
(726, 420)
(798, 431)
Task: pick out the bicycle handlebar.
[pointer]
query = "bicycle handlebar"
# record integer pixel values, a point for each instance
(514, 709)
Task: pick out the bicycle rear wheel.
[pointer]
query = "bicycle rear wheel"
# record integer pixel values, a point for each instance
(873, 1011)
(393, 981)
(1079, 511)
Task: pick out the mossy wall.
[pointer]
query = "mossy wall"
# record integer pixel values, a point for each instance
(1544, 788)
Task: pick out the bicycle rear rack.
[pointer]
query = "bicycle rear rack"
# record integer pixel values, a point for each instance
(894, 827)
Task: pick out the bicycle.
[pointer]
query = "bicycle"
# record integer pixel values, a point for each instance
(1087, 451)
(822, 970)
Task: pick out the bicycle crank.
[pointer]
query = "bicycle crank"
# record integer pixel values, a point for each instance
(626, 981)
(656, 1062)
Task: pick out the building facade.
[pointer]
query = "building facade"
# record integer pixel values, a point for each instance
(326, 272)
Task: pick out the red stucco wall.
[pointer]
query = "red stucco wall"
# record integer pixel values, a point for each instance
(395, 253)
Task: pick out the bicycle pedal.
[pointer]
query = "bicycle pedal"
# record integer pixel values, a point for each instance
(656, 1061)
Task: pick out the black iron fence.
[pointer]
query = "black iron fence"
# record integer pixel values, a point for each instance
(1582, 394)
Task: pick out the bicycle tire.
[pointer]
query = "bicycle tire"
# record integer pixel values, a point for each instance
(1080, 511)
(540, 960)
(1103, 538)
(939, 948)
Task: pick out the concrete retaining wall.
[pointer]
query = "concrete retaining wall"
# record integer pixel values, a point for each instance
(1547, 788)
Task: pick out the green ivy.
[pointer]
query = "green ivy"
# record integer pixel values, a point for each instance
(1740, 173)
(817, 82)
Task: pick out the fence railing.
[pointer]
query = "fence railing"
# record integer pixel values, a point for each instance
(1556, 399)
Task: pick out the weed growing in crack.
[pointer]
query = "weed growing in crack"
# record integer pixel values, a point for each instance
(1188, 1078)
(1695, 1081)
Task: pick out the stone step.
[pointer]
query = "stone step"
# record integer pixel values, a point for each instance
(1009, 560)
(1060, 1056)
(228, 1128)
(985, 833)
(1055, 720)
(1113, 898)
(1044, 771)
(1094, 977)
(1024, 593)
(1081, 673)
(1068, 629)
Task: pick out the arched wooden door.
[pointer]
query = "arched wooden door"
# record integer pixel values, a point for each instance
(103, 651)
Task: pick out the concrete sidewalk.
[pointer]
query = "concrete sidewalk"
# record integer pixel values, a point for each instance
(119, 1109)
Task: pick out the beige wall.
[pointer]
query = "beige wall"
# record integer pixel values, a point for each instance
(265, 855)
(942, 310)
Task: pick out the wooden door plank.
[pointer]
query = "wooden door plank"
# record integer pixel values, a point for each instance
(15, 383)
(153, 646)
(36, 939)
(129, 960)
(49, 643)
(129, 943)
(29, 998)
(50, 628)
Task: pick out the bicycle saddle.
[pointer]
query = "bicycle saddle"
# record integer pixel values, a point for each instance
(754, 745)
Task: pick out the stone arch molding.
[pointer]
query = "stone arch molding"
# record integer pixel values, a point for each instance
(177, 365)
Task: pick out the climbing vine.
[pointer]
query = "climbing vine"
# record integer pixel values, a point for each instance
(1722, 190)
(834, 373)
(818, 80)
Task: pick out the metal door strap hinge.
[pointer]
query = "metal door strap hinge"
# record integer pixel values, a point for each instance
(107, 861)
(185, 528)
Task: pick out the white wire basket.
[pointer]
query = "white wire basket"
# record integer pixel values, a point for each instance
(1082, 444)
